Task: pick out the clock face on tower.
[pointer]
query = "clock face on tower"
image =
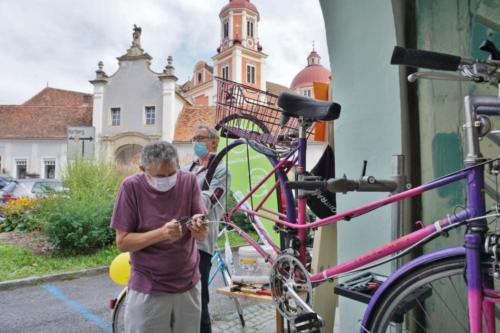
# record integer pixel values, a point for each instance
(250, 42)
(225, 43)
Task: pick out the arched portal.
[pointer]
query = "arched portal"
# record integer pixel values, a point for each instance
(128, 154)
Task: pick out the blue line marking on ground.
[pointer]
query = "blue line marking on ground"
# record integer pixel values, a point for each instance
(85, 313)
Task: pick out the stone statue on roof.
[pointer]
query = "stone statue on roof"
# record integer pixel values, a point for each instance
(136, 42)
(135, 51)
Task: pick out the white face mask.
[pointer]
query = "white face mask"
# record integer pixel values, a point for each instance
(162, 184)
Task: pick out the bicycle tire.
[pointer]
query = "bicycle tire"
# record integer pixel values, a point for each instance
(407, 306)
(118, 321)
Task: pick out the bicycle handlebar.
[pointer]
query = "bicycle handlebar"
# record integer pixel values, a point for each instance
(479, 71)
(426, 59)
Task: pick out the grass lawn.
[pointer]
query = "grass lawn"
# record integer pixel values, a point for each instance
(17, 262)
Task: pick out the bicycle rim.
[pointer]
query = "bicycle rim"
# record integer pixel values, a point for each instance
(119, 314)
(432, 298)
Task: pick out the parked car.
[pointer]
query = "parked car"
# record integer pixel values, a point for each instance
(4, 180)
(31, 188)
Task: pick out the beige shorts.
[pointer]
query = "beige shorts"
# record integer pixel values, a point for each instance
(166, 313)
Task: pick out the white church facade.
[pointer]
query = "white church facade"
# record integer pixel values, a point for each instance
(135, 105)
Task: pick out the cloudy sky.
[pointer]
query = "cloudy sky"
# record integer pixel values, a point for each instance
(59, 42)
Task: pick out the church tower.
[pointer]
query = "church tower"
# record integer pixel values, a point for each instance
(239, 57)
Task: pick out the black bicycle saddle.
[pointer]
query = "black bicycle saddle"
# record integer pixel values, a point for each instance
(296, 106)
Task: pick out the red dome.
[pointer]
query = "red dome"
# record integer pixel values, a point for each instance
(310, 74)
(239, 4)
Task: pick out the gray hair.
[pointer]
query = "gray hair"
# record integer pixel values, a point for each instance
(212, 133)
(157, 153)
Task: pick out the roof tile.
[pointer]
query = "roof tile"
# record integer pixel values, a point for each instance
(189, 118)
(46, 115)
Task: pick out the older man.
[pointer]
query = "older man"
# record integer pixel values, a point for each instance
(205, 141)
(164, 287)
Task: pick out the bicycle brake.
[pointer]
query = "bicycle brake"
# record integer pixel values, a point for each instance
(491, 247)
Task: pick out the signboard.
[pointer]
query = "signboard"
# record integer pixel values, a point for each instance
(246, 173)
(81, 141)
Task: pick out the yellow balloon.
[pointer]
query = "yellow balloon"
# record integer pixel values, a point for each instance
(119, 270)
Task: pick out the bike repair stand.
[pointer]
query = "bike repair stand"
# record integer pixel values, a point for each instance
(362, 287)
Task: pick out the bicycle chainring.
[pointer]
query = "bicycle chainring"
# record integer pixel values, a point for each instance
(289, 272)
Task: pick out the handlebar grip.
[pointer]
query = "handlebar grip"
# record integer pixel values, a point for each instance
(425, 59)
(488, 110)
(307, 185)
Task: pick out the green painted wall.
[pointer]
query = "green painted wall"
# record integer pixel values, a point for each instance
(455, 27)
(361, 36)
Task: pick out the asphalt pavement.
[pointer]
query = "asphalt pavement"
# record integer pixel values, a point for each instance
(81, 305)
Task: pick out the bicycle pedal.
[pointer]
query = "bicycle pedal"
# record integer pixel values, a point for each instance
(308, 323)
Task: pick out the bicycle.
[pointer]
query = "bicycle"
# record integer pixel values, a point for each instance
(278, 127)
(117, 304)
(223, 269)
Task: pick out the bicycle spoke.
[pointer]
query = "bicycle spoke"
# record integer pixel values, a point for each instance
(464, 307)
(422, 308)
(434, 290)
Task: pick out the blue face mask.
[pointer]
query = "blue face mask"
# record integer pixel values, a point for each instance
(200, 149)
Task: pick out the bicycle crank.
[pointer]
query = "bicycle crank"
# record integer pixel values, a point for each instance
(292, 292)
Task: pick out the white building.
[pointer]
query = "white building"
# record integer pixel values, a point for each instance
(33, 134)
(135, 105)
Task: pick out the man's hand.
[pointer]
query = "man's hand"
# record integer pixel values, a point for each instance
(135, 241)
(172, 230)
(198, 227)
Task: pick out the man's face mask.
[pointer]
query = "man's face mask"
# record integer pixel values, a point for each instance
(162, 184)
(200, 149)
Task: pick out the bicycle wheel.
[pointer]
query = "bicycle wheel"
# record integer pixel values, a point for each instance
(118, 323)
(432, 298)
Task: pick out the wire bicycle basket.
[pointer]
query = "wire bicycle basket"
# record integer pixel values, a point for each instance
(252, 114)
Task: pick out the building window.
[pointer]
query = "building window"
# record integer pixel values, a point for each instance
(250, 29)
(115, 116)
(49, 169)
(199, 78)
(307, 92)
(225, 72)
(150, 115)
(87, 99)
(21, 169)
(226, 29)
(251, 74)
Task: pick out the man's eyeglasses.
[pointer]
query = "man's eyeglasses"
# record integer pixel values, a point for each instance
(199, 138)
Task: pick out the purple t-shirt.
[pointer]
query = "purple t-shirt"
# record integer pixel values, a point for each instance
(167, 266)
